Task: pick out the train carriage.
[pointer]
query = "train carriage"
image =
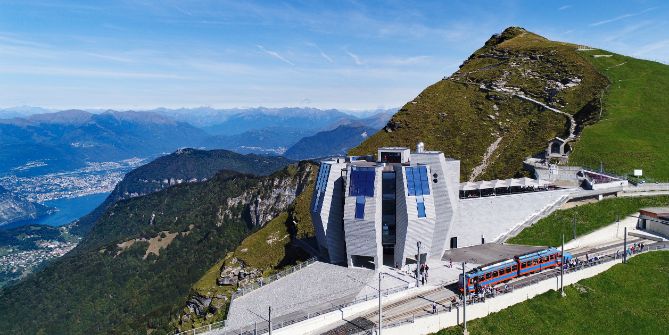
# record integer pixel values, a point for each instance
(490, 274)
(538, 261)
(505, 270)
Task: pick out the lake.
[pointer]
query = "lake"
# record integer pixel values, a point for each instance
(68, 210)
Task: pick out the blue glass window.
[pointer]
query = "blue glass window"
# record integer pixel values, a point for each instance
(360, 207)
(321, 184)
(362, 181)
(420, 205)
(417, 181)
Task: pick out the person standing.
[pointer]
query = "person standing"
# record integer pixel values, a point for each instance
(434, 307)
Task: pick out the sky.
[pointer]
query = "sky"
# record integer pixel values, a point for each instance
(354, 55)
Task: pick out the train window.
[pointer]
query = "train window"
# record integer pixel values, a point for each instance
(494, 273)
(487, 276)
(508, 270)
(514, 268)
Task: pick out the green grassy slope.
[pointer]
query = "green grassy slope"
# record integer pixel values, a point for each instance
(627, 299)
(589, 217)
(103, 287)
(458, 117)
(634, 130)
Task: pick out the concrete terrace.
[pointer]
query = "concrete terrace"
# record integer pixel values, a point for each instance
(308, 290)
(500, 215)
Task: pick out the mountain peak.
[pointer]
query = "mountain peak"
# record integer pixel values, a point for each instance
(507, 34)
(492, 103)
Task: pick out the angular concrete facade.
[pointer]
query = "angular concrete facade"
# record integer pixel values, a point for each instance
(328, 209)
(367, 213)
(371, 212)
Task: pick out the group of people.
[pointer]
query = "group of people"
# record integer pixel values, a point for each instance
(633, 249)
(423, 272)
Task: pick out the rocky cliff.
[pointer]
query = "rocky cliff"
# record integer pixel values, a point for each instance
(13, 208)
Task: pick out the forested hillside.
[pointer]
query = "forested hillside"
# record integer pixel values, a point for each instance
(134, 270)
(182, 166)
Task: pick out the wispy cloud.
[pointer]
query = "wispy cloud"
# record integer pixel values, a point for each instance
(321, 52)
(406, 60)
(565, 7)
(275, 55)
(621, 17)
(627, 31)
(654, 50)
(86, 72)
(356, 58)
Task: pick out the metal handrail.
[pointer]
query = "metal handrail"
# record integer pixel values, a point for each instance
(264, 281)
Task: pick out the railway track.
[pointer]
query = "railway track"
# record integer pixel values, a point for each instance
(421, 304)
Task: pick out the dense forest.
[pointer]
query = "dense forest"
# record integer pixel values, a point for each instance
(134, 270)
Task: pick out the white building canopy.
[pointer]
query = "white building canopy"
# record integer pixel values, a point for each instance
(513, 182)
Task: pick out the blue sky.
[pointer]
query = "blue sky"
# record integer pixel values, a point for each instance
(138, 54)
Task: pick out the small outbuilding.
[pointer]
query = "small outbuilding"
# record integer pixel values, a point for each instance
(654, 220)
(558, 148)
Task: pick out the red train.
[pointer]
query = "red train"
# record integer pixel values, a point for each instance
(505, 270)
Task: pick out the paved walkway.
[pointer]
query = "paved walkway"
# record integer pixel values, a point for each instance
(306, 291)
(610, 234)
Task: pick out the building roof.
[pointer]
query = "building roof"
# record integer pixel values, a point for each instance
(657, 210)
(393, 148)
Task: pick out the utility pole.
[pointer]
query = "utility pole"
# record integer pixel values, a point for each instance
(270, 320)
(574, 225)
(418, 265)
(465, 291)
(562, 269)
(380, 305)
(625, 246)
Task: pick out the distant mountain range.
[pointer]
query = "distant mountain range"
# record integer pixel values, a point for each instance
(330, 142)
(51, 142)
(68, 139)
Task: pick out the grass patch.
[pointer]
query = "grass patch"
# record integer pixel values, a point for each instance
(627, 299)
(590, 217)
(633, 131)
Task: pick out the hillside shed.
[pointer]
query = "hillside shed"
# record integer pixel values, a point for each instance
(654, 220)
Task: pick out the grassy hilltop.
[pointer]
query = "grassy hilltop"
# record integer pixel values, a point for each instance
(619, 104)
(462, 117)
(634, 130)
